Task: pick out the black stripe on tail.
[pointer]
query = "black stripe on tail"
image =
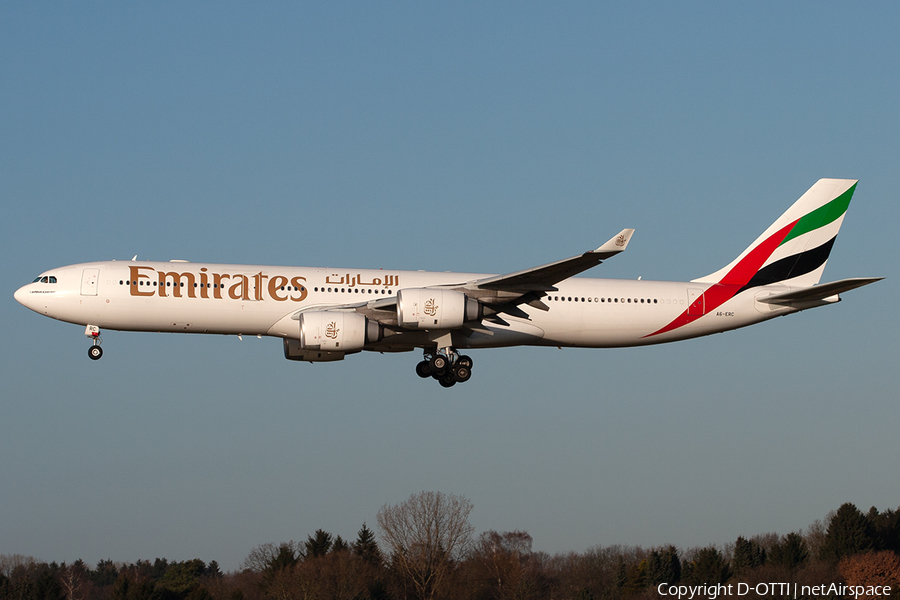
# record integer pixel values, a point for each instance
(791, 266)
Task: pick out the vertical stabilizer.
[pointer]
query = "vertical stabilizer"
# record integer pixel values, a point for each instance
(794, 249)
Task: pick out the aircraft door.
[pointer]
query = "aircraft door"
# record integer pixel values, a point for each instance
(89, 282)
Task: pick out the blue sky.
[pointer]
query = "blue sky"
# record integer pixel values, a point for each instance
(471, 137)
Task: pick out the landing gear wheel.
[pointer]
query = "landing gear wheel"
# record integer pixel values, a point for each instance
(95, 352)
(423, 369)
(461, 373)
(445, 365)
(439, 363)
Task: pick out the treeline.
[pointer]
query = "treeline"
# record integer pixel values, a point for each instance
(427, 551)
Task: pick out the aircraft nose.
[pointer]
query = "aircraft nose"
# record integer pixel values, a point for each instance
(21, 295)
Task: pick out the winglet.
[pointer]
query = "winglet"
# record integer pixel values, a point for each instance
(615, 245)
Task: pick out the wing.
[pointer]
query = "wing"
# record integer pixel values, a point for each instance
(543, 278)
(505, 293)
(500, 293)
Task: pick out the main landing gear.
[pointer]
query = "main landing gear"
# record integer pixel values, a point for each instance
(447, 366)
(95, 351)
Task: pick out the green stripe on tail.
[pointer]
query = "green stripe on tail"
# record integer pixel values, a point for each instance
(822, 216)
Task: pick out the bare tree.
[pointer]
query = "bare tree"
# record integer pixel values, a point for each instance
(426, 535)
(9, 562)
(73, 580)
(502, 561)
(270, 557)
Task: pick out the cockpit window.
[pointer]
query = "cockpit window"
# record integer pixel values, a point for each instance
(45, 279)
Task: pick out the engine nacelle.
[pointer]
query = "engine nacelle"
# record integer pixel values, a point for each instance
(337, 331)
(424, 308)
(293, 351)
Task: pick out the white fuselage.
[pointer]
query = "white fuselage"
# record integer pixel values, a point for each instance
(264, 300)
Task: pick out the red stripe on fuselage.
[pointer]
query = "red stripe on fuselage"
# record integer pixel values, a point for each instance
(719, 293)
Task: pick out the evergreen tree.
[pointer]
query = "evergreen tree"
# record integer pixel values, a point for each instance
(584, 594)
(285, 558)
(160, 565)
(339, 545)
(621, 574)
(213, 569)
(654, 570)
(366, 547)
(790, 552)
(885, 529)
(848, 533)
(710, 567)
(319, 545)
(671, 565)
(636, 579)
(105, 574)
(748, 554)
(663, 566)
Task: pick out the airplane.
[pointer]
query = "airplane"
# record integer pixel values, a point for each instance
(322, 315)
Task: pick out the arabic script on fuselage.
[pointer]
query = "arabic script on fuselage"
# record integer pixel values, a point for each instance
(357, 280)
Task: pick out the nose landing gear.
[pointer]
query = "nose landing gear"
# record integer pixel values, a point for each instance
(447, 366)
(95, 351)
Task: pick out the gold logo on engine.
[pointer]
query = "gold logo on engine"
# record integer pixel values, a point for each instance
(331, 331)
(430, 307)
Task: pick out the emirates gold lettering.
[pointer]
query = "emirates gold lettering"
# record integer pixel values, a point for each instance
(275, 284)
(258, 287)
(238, 291)
(258, 279)
(178, 281)
(204, 283)
(299, 284)
(137, 281)
(218, 285)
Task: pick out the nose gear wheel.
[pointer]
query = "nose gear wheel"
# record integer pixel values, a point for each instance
(95, 351)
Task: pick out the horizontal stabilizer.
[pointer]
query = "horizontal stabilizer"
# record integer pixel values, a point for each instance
(819, 292)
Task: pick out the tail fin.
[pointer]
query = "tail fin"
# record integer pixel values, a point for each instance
(794, 249)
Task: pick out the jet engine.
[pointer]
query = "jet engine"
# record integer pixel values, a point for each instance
(425, 308)
(293, 351)
(334, 331)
